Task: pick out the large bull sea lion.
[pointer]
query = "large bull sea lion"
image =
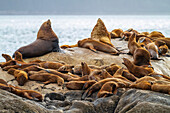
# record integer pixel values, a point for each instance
(47, 41)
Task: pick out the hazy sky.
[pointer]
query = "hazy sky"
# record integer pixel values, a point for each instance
(85, 7)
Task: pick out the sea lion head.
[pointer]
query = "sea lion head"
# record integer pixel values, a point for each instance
(46, 25)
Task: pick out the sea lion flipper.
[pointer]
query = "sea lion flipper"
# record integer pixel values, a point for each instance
(7, 57)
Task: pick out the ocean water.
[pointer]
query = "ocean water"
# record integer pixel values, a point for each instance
(17, 31)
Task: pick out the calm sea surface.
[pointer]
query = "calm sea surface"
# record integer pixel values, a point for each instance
(17, 31)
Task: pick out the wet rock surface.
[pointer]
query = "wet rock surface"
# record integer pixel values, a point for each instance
(61, 100)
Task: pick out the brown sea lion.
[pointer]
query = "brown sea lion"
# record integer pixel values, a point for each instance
(116, 33)
(55, 72)
(129, 75)
(143, 83)
(153, 50)
(3, 82)
(95, 87)
(96, 45)
(161, 86)
(144, 41)
(31, 68)
(138, 71)
(141, 57)
(78, 69)
(155, 35)
(109, 88)
(100, 33)
(160, 76)
(7, 57)
(162, 50)
(98, 75)
(47, 78)
(132, 44)
(166, 40)
(58, 66)
(30, 94)
(79, 85)
(145, 33)
(17, 60)
(21, 77)
(126, 34)
(112, 69)
(47, 41)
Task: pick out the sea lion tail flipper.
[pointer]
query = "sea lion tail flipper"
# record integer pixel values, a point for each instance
(92, 49)
(157, 59)
(68, 46)
(47, 82)
(27, 96)
(85, 94)
(166, 55)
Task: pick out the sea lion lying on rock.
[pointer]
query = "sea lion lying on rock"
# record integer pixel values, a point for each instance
(47, 41)
(96, 45)
(138, 71)
(116, 33)
(47, 78)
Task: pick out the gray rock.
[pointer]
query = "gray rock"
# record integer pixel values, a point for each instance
(106, 105)
(74, 94)
(139, 100)
(10, 103)
(83, 106)
(55, 96)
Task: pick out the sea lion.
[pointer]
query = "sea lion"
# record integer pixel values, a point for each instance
(163, 87)
(141, 57)
(109, 88)
(98, 75)
(31, 68)
(58, 66)
(143, 83)
(21, 77)
(85, 69)
(79, 85)
(153, 50)
(132, 44)
(30, 94)
(47, 78)
(47, 41)
(129, 76)
(155, 35)
(55, 72)
(162, 50)
(100, 33)
(112, 69)
(126, 35)
(7, 57)
(145, 33)
(9, 61)
(3, 82)
(138, 71)
(116, 33)
(166, 40)
(119, 74)
(94, 45)
(144, 41)
(95, 87)
(78, 69)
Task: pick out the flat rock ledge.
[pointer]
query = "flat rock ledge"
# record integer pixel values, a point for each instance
(58, 100)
